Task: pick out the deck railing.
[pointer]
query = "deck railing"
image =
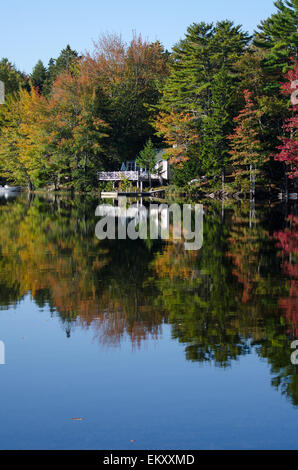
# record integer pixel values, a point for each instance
(119, 175)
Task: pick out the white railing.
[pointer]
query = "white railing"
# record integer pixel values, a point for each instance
(119, 175)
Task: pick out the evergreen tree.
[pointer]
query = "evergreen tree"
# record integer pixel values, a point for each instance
(278, 36)
(202, 81)
(39, 75)
(147, 159)
(213, 146)
(188, 86)
(196, 58)
(56, 66)
(12, 78)
(66, 59)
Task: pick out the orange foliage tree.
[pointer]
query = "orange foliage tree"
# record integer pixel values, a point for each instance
(179, 133)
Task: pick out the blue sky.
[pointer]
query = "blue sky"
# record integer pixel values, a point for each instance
(31, 30)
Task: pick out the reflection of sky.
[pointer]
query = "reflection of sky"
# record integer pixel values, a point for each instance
(151, 395)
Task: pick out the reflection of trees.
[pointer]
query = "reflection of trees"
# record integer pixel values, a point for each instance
(260, 272)
(286, 376)
(245, 239)
(221, 301)
(288, 243)
(51, 251)
(126, 304)
(197, 295)
(219, 297)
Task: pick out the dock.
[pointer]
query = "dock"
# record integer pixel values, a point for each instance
(116, 194)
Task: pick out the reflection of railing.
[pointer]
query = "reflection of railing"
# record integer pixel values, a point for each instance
(119, 175)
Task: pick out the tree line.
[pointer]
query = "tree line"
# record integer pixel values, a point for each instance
(221, 102)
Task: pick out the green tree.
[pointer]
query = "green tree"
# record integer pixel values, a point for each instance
(196, 58)
(12, 78)
(213, 142)
(39, 75)
(56, 66)
(147, 159)
(202, 80)
(278, 36)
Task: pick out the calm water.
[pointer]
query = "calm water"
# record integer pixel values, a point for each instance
(153, 346)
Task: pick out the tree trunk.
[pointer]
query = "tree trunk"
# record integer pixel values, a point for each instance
(252, 179)
(286, 182)
(223, 180)
(30, 186)
(222, 210)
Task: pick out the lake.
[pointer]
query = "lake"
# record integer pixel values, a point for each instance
(122, 344)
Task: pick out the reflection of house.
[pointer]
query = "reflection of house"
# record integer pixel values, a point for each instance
(132, 172)
(157, 218)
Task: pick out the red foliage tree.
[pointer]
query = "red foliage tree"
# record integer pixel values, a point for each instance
(288, 151)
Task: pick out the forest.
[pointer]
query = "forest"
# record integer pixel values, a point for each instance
(222, 102)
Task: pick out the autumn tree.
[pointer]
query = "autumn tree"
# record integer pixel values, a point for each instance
(179, 133)
(78, 130)
(276, 39)
(22, 139)
(288, 151)
(246, 148)
(130, 76)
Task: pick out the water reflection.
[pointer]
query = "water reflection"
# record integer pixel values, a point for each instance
(237, 293)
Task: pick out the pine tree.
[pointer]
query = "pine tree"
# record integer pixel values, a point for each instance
(187, 87)
(196, 59)
(147, 159)
(56, 66)
(12, 78)
(213, 145)
(39, 75)
(202, 76)
(278, 36)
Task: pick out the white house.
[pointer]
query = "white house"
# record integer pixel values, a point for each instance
(132, 172)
